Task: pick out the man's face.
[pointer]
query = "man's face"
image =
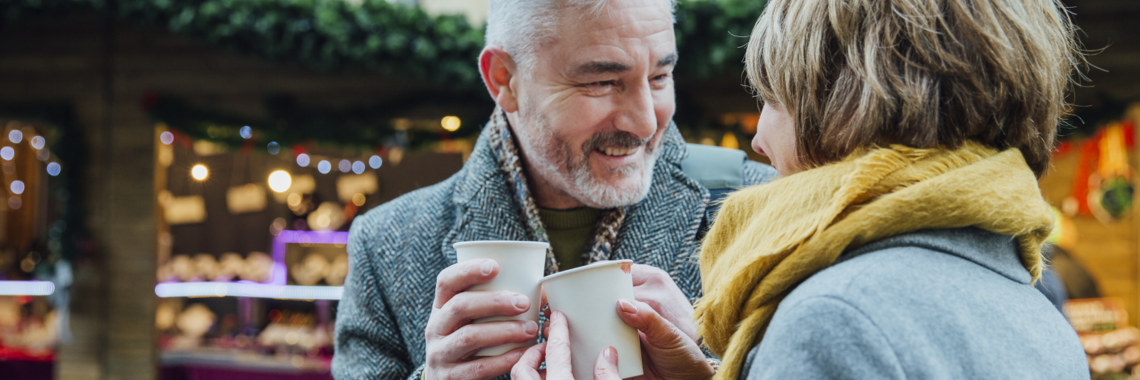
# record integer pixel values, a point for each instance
(597, 101)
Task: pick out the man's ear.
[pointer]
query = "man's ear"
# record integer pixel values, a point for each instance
(498, 69)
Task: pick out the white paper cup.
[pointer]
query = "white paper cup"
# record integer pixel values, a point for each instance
(520, 269)
(588, 297)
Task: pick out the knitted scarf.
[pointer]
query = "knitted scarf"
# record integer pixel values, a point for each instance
(604, 240)
(768, 239)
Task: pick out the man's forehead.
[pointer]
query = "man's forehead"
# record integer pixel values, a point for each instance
(626, 31)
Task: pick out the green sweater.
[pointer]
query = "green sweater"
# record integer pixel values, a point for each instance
(569, 232)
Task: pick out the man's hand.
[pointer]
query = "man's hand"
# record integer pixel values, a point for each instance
(452, 339)
(655, 288)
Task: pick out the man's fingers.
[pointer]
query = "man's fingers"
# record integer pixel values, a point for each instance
(527, 367)
(457, 278)
(606, 366)
(558, 347)
(658, 331)
(487, 368)
(471, 338)
(468, 306)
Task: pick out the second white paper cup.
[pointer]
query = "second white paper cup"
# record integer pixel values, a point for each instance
(520, 269)
(588, 297)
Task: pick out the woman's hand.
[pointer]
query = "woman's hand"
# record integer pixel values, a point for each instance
(556, 351)
(667, 352)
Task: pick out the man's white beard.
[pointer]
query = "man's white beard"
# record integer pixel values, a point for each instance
(555, 160)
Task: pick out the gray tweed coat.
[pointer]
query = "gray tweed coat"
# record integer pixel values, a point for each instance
(397, 250)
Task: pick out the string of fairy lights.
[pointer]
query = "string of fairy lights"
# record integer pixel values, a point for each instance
(18, 134)
(280, 180)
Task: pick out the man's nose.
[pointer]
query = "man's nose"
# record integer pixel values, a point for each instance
(636, 112)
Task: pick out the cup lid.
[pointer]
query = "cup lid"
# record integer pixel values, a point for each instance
(517, 243)
(584, 268)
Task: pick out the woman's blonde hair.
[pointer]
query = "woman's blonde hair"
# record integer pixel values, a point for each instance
(923, 73)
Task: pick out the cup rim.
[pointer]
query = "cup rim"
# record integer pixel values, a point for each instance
(528, 244)
(583, 268)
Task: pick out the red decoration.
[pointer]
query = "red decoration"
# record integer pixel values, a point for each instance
(1129, 133)
(1086, 165)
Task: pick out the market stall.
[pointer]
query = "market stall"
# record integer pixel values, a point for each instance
(252, 250)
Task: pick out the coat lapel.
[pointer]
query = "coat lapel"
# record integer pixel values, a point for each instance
(485, 209)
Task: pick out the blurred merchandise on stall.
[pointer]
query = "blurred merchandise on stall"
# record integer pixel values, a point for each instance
(1113, 347)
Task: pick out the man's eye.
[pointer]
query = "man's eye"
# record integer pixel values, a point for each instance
(602, 84)
(660, 77)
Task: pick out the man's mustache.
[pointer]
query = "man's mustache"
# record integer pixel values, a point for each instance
(614, 139)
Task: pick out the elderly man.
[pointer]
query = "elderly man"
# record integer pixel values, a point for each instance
(580, 152)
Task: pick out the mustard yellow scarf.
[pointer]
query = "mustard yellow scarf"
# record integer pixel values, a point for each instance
(768, 239)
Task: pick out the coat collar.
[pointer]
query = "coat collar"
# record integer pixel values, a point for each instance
(669, 215)
(993, 251)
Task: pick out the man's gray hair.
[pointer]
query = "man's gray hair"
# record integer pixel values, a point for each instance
(521, 26)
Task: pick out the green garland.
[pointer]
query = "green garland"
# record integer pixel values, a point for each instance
(393, 39)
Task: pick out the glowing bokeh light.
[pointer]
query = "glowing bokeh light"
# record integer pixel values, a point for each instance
(324, 167)
(17, 187)
(15, 202)
(53, 169)
(450, 123)
(15, 136)
(280, 181)
(166, 138)
(358, 167)
(246, 132)
(38, 142)
(375, 162)
(273, 147)
(344, 166)
(199, 172)
(302, 160)
(7, 153)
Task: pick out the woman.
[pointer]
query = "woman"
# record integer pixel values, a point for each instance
(904, 236)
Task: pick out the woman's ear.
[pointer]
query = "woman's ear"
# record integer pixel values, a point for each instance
(498, 70)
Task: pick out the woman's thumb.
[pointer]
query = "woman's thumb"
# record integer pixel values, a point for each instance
(606, 367)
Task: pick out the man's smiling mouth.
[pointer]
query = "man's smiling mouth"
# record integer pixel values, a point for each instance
(617, 152)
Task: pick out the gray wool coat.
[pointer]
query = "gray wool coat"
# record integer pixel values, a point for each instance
(937, 304)
(397, 250)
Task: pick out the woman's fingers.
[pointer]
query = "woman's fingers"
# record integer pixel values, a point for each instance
(658, 331)
(527, 367)
(606, 367)
(668, 351)
(558, 347)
